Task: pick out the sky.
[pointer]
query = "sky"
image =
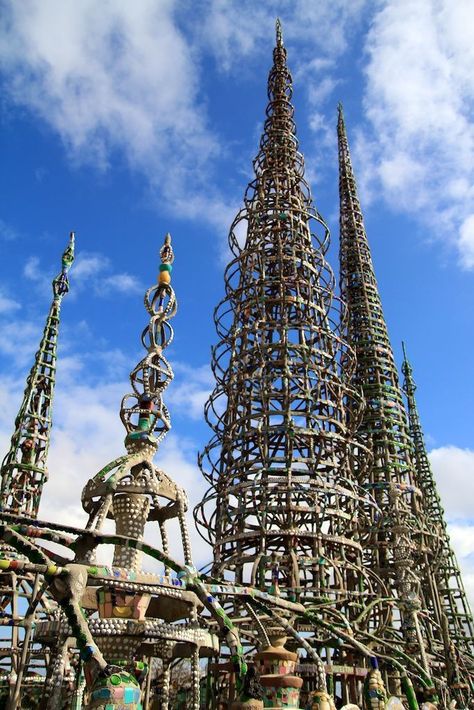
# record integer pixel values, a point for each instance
(123, 121)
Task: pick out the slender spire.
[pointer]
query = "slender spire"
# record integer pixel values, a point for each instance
(376, 373)
(279, 33)
(453, 612)
(24, 468)
(391, 549)
(403, 543)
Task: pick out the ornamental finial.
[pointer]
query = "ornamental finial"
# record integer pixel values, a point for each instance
(61, 282)
(340, 117)
(143, 412)
(409, 386)
(279, 33)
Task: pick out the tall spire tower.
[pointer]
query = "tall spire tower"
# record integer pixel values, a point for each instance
(24, 468)
(452, 611)
(23, 474)
(402, 545)
(287, 506)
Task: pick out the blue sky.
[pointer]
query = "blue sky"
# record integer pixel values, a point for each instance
(124, 121)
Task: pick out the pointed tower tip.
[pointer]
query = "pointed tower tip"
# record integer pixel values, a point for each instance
(404, 350)
(340, 111)
(279, 33)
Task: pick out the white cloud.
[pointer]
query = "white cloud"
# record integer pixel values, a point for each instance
(125, 283)
(87, 265)
(466, 241)
(234, 31)
(418, 101)
(19, 340)
(454, 473)
(7, 304)
(190, 391)
(33, 272)
(114, 76)
(7, 232)
(90, 270)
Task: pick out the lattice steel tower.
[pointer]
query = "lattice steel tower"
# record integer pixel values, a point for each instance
(23, 475)
(286, 508)
(24, 468)
(403, 547)
(452, 612)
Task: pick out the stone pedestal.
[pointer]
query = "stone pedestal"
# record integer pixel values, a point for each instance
(276, 666)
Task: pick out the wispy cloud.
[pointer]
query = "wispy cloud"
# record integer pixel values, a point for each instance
(91, 271)
(7, 304)
(115, 76)
(234, 31)
(190, 390)
(19, 339)
(87, 434)
(454, 471)
(7, 232)
(419, 99)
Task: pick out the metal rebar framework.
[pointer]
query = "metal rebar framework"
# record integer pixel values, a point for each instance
(116, 620)
(452, 611)
(284, 511)
(23, 475)
(24, 468)
(404, 545)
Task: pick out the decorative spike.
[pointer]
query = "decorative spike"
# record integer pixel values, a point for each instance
(279, 33)
(24, 468)
(453, 612)
(287, 504)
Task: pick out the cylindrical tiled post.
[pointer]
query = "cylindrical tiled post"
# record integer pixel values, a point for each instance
(276, 666)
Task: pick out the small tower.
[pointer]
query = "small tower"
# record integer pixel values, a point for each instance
(451, 609)
(23, 474)
(24, 468)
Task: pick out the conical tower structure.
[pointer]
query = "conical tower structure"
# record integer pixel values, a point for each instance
(284, 507)
(452, 611)
(23, 474)
(402, 545)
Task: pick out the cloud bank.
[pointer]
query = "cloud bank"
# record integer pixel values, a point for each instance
(418, 149)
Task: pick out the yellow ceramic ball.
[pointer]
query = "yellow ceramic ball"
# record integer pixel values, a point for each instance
(164, 277)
